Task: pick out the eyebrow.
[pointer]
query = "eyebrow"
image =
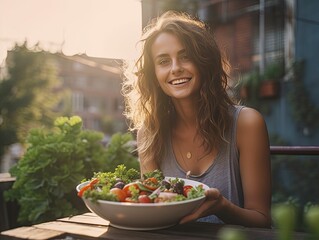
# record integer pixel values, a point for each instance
(180, 52)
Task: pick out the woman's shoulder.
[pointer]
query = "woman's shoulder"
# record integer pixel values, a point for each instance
(250, 119)
(250, 114)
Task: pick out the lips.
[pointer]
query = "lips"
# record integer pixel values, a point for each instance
(179, 81)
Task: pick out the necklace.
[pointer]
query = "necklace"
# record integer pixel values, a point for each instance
(189, 155)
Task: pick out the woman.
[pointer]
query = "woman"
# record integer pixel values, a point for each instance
(188, 125)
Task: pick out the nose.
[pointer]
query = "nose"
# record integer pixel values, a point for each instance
(176, 67)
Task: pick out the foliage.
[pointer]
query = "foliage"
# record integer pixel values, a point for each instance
(121, 148)
(293, 179)
(107, 125)
(255, 86)
(274, 71)
(252, 82)
(289, 217)
(27, 94)
(54, 163)
(304, 111)
(284, 217)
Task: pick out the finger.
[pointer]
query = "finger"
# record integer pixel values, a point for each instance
(197, 214)
(188, 218)
(212, 194)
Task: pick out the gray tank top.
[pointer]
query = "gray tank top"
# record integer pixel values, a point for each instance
(223, 174)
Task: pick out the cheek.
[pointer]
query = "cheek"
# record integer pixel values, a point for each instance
(160, 75)
(161, 85)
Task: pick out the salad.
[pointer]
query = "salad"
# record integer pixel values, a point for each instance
(126, 185)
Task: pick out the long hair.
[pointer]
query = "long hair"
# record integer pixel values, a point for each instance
(150, 109)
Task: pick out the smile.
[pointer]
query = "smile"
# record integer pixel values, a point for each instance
(179, 81)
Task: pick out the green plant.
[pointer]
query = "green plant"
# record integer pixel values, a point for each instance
(284, 216)
(248, 87)
(274, 71)
(121, 149)
(27, 94)
(232, 233)
(312, 220)
(54, 163)
(304, 110)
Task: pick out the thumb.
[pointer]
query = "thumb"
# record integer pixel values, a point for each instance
(212, 194)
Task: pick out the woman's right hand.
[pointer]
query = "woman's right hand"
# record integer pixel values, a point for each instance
(211, 206)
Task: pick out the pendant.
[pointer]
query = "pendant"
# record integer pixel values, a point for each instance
(189, 155)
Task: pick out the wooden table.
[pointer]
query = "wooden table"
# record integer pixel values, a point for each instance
(6, 182)
(90, 226)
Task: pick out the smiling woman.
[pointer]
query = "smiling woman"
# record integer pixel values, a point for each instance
(98, 28)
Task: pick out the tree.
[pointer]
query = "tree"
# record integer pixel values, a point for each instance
(27, 94)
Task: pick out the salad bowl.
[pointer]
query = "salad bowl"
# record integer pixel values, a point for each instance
(144, 216)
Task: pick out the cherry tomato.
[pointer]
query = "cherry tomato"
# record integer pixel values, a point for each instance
(144, 193)
(144, 199)
(126, 188)
(151, 183)
(120, 194)
(186, 189)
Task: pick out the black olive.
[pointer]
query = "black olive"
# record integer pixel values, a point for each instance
(166, 184)
(119, 185)
(118, 180)
(178, 188)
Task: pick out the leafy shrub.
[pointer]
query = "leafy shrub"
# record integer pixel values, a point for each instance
(55, 162)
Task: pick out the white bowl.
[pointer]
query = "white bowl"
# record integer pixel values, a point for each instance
(144, 216)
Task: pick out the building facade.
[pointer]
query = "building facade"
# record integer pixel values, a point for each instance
(93, 88)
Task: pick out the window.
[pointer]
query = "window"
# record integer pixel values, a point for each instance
(77, 101)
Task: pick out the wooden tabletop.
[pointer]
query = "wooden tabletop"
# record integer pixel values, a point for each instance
(6, 177)
(90, 226)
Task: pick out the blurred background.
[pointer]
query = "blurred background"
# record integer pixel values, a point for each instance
(64, 58)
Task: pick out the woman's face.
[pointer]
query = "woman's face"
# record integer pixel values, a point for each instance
(177, 75)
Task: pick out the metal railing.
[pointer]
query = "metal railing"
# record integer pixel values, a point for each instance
(294, 150)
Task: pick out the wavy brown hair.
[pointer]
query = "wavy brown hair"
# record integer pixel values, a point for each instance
(149, 109)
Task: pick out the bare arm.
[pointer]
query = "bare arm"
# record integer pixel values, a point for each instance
(253, 146)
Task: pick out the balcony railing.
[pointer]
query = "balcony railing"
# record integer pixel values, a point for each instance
(294, 150)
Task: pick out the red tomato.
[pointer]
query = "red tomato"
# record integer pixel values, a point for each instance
(126, 188)
(186, 189)
(151, 183)
(144, 193)
(144, 199)
(120, 194)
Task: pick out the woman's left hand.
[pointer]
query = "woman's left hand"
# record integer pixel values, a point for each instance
(211, 205)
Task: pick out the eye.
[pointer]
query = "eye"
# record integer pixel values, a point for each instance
(184, 57)
(163, 61)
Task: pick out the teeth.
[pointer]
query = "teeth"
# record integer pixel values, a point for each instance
(179, 81)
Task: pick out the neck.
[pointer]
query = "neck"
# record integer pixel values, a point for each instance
(185, 111)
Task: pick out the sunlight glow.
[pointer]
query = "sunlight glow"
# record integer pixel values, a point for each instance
(99, 28)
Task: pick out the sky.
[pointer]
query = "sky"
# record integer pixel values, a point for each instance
(99, 28)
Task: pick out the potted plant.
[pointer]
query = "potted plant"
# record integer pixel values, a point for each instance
(248, 85)
(270, 84)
